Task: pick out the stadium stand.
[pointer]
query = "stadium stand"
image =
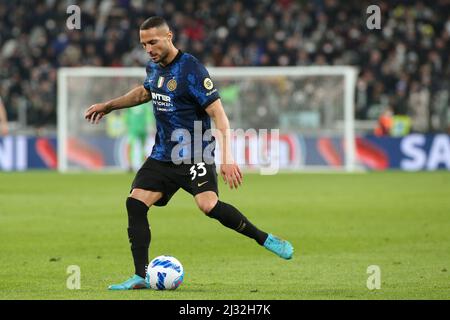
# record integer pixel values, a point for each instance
(404, 66)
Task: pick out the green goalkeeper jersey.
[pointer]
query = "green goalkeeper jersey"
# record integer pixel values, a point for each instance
(139, 119)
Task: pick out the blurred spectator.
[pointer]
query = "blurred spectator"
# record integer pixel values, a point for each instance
(385, 122)
(406, 63)
(419, 99)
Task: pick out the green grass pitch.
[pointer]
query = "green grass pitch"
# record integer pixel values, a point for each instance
(339, 224)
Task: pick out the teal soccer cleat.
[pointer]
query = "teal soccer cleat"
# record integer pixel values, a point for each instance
(135, 282)
(280, 247)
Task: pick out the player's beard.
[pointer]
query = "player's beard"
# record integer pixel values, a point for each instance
(163, 57)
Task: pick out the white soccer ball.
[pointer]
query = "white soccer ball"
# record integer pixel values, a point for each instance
(164, 273)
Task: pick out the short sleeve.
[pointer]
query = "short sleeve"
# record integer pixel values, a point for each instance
(201, 87)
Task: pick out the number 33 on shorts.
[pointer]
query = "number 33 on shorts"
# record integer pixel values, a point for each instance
(197, 170)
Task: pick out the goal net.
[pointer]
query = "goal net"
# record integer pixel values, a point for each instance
(305, 113)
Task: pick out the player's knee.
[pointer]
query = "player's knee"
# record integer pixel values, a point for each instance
(206, 201)
(145, 196)
(206, 205)
(132, 202)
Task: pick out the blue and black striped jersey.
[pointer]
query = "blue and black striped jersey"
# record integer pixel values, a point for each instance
(180, 91)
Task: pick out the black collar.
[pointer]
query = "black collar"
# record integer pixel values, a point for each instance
(177, 57)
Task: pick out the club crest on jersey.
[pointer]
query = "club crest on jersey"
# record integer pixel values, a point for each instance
(208, 84)
(160, 82)
(172, 84)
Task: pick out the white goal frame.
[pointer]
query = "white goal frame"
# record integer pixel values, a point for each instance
(348, 73)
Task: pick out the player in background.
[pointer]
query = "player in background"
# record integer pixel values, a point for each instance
(183, 96)
(3, 119)
(138, 121)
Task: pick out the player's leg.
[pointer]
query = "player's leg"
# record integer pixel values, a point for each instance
(148, 189)
(209, 203)
(139, 235)
(134, 152)
(202, 183)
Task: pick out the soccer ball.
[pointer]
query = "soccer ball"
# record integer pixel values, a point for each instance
(164, 273)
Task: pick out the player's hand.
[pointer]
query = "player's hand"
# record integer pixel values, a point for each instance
(231, 174)
(95, 112)
(4, 129)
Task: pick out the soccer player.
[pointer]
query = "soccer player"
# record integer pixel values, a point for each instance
(183, 97)
(137, 120)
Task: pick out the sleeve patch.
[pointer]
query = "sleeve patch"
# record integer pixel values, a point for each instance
(208, 84)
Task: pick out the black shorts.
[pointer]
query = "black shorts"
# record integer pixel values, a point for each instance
(167, 177)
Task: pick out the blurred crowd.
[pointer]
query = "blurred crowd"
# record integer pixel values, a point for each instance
(403, 67)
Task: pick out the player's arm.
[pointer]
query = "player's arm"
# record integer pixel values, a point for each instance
(3, 120)
(133, 98)
(230, 171)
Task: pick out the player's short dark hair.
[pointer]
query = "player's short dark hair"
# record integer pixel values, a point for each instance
(153, 22)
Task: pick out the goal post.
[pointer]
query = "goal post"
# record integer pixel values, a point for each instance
(312, 107)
